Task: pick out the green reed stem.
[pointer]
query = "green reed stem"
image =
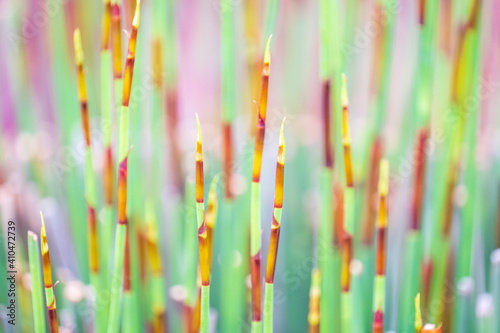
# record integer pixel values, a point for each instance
(36, 283)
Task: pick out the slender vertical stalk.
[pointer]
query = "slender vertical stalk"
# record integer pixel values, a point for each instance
(36, 283)
(122, 227)
(328, 295)
(314, 296)
(108, 174)
(116, 50)
(347, 240)
(255, 220)
(47, 278)
(418, 315)
(157, 286)
(211, 218)
(202, 236)
(90, 191)
(275, 235)
(380, 263)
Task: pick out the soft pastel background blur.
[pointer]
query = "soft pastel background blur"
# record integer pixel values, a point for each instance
(42, 146)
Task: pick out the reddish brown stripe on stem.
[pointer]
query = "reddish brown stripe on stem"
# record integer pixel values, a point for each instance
(273, 251)
(378, 322)
(85, 122)
(381, 257)
(204, 255)
(127, 283)
(122, 192)
(418, 192)
(379, 50)
(142, 243)
(427, 271)
(108, 176)
(92, 240)
(371, 193)
(227, 150)
(53, 325)
(187, 314)
(421, 12)
(346, 261)
(444, 29)
(256, 288)
(326, 124)
(116, 41)
(175, 156)
(448, 210)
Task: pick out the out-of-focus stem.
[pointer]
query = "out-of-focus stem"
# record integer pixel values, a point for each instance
(380, 260)
(313, 317)
(202, 236)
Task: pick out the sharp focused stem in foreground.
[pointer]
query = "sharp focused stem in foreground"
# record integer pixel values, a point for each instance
(275, 235)
(47, 278)
(122, 228)
(90, 191)
(255, 221)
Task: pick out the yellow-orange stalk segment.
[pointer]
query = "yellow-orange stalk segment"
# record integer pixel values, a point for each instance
(261, 120)
(346, 134)
(106, 25)
(116, 40)
(314, 294)
(418, 315)
(47, 278)
(129, 62)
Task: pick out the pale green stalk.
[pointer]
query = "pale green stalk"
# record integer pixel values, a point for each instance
(411, 281)
(116, 282)
(268, 307)
(205, 309)
(325, 257)
(36, 283)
